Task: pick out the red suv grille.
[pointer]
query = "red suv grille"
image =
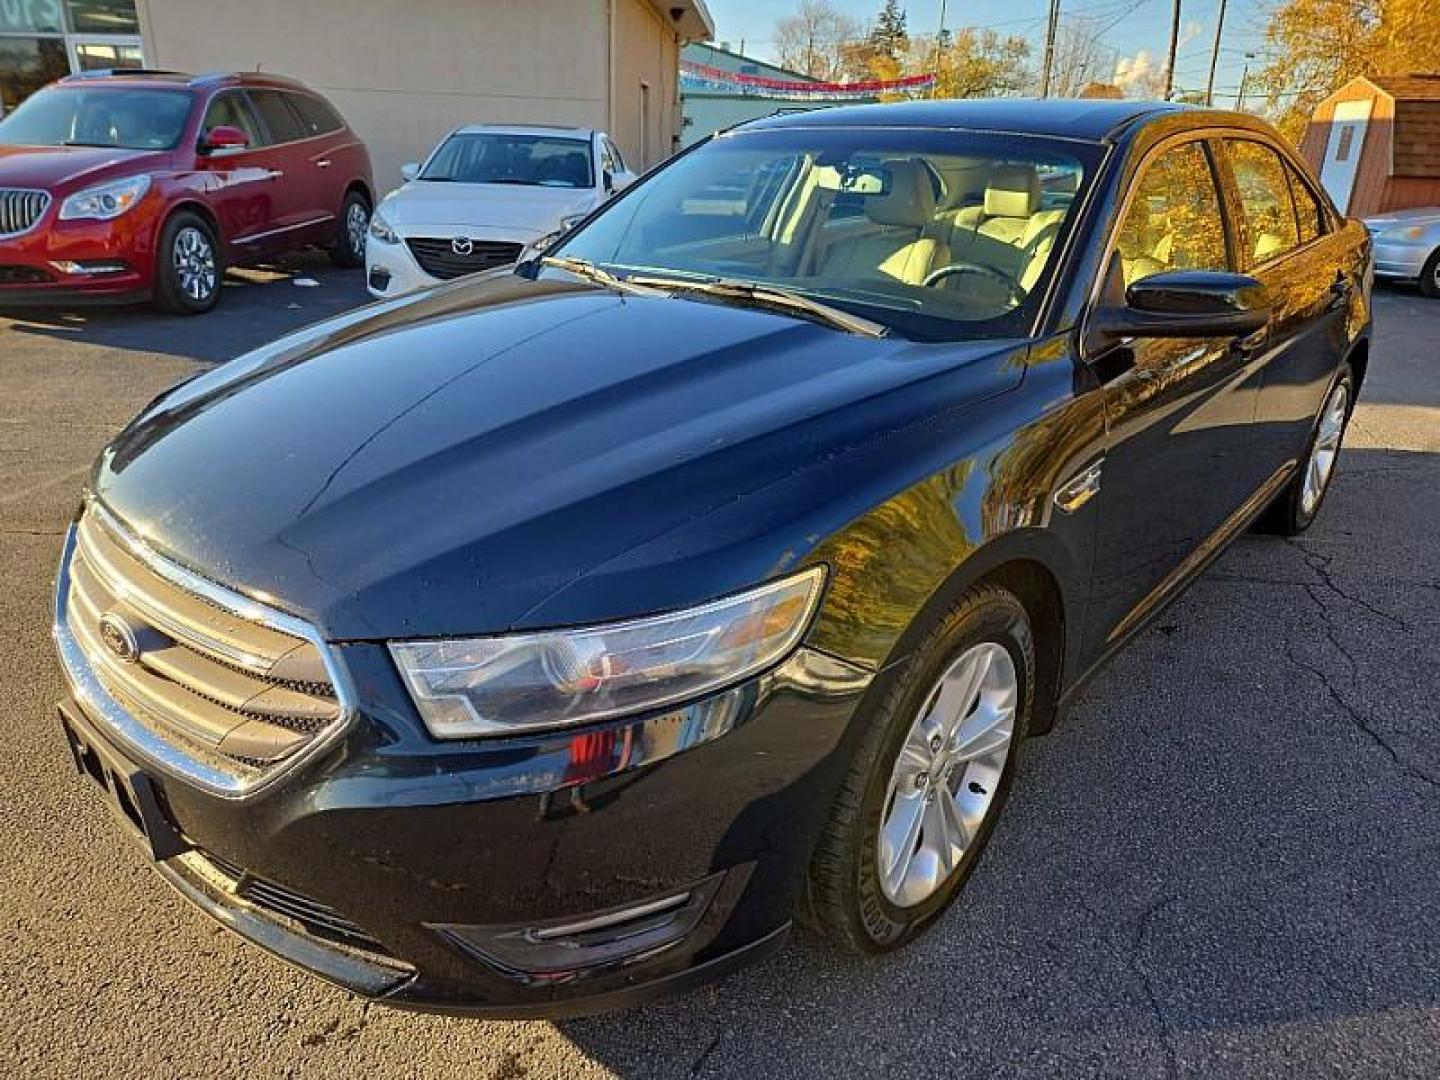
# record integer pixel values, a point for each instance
(20, 209)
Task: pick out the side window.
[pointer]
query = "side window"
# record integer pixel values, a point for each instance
(232, 110)
(1307, 208)
(284, 125)
(1264, 200)
(1174, 221)
(316, 116)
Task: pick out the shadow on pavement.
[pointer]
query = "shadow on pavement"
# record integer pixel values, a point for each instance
(259, 304)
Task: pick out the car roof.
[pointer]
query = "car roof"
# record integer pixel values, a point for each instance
(526, 129)
(1076, 118)
(155, 77)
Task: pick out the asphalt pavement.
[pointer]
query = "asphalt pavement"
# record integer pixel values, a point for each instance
(1224, 863)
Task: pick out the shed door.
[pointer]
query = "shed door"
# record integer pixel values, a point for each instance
(1342, 153)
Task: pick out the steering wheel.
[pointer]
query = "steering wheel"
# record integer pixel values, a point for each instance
(1016, 293)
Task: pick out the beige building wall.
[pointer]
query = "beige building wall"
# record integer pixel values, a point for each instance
(645, 118)
(405, 73)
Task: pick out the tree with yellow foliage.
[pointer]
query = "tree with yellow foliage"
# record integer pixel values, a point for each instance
(1318, 45)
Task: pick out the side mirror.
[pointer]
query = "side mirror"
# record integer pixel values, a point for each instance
(1178, 304)
(222, 139)
(409, 171)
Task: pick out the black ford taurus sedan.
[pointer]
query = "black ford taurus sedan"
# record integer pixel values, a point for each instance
(551, 640)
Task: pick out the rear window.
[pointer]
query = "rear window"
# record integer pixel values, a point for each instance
(282, 120)
(316, 115)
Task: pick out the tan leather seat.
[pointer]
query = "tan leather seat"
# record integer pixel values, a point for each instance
(905, 247)
(1008, 231)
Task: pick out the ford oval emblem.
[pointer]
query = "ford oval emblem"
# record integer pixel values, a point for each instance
(117, 636)
(462, 245)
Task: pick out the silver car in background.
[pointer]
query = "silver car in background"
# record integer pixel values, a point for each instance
(1407, 247)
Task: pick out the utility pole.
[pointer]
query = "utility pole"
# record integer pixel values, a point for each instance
(1052, 25)
(1244, 78)
(939, 40)
(1174, 47)
(1215, 56)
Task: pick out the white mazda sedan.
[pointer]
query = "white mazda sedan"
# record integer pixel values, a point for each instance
(483, 195)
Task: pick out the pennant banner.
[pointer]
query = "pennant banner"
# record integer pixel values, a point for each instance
(700, 77)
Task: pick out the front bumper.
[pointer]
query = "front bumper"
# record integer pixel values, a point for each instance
(389, 864)
(1400, 260)
(86, 261)
(390, 270)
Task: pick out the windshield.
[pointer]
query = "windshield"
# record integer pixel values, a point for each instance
(500, 158)
(132, 118)
(936, 234)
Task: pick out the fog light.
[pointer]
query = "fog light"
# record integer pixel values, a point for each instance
(92, 267)
(379, 278)
(560, 950)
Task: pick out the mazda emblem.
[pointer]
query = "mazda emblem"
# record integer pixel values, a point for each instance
(462, 245)
(117, 636)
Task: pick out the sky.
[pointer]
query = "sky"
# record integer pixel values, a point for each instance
(1139, 34)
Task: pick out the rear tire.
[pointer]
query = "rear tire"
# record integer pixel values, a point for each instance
(188, 266)
(349, 248)
(1430, 276)
(1295, 509)
(878, 877)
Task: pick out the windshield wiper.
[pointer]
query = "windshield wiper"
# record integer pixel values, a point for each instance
(598, 274)
(772, 296)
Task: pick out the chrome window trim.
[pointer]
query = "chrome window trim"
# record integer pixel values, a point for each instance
(47, 201)
(136, 738)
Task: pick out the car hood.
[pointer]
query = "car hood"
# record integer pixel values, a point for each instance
(453, 208)
(442, 465)
(1424, 215)
(54, 167)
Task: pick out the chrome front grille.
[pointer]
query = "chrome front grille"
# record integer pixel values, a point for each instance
(211, 683)
(20, 209)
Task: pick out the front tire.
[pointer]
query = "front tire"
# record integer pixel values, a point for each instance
(349, 248)
(188, 270)
(929, 779)
(1430, 276)
(1299, 504)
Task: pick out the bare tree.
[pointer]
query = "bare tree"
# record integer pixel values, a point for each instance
(1081, 57)
(818, 40)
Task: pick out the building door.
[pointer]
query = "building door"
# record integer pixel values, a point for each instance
(1342, 153)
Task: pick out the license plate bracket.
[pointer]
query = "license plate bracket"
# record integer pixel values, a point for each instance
(131, 795)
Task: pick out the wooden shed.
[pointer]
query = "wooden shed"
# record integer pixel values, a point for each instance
(1376, 143)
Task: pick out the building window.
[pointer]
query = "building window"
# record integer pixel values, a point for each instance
(98, 55)
(37, 17)
(102, 16)
(27, 64)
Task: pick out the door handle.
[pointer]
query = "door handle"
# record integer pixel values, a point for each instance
(323, 163)
(1340, 292)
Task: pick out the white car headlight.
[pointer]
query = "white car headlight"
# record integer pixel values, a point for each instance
(520, 683)
(382, 230)
(106, 202)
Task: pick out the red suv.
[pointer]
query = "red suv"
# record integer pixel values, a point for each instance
(128, 186)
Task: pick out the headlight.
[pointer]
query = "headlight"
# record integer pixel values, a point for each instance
(1412, 232)
(519, 683)
(381, 230)
(105, 202)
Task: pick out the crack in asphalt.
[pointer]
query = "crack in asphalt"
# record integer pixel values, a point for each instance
(1320, 564)
(699, 1062)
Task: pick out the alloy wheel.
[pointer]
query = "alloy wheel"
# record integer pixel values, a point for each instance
(1321, 465)
(357, 223)
(947, 774)
(193, 256)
